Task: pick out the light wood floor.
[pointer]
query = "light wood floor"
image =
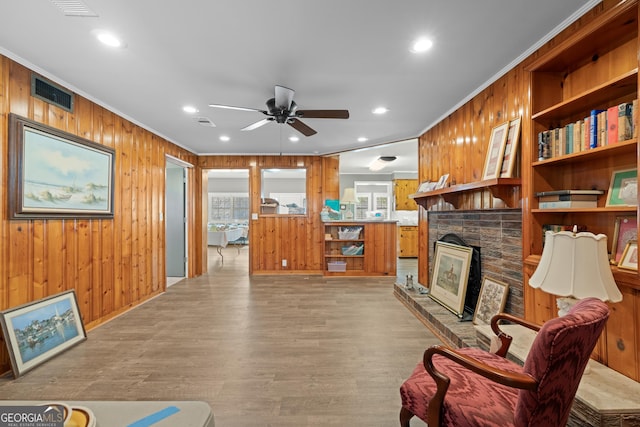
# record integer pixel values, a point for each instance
(266, 351)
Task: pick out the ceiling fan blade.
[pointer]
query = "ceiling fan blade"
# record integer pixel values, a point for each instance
(231, 107)
(284, 97)
(257, 124)
(301, 127)
(323, 114)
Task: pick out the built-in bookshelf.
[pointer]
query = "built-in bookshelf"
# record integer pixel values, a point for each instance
(583, 78)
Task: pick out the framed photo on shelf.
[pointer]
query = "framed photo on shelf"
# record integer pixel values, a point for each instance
(442, 182)
(491, 301)
(450, 276)
(426, 186)
(37, 331)
(623, 188)
(629, 260)
(54, 174)
(495, 152)
(510, 149)
(626, 229)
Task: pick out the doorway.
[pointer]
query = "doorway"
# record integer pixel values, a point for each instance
(176, 219)
(227, 217)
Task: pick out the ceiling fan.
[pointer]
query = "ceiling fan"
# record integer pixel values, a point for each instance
(283, 109)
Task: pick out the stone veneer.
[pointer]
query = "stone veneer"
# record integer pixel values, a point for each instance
(498, 233)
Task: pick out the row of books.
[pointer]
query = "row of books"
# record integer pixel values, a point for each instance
(560, 199)
(598, 129)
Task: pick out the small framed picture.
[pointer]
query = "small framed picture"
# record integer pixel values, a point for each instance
(629, 258)
(491, 301)
(623, 188)
(495, 152)
(442, 182)
(626, 229)
(39, 330)
(510, 149)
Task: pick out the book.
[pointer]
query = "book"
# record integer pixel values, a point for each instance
(568, 204)
(568, 197)
(568, 138)
(564, 192)
(625, 121)
(612, 124)
(593, 128)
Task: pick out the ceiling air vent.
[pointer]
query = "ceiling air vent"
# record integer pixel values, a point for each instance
(205, 121)
(51, 93)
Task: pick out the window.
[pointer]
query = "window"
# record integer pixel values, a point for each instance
(228, 207)
(373, 199)
(284, 191)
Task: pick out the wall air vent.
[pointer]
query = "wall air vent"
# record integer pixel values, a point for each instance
(74, 8)
(51, 93)
(205, 121)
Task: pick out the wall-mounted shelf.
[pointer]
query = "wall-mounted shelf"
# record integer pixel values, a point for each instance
(501, 188)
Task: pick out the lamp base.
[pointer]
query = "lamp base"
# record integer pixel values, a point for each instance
(565, 304)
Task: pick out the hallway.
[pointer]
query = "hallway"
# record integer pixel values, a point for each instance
(263, 351)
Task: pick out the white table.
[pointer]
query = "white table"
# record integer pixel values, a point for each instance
(140, 413)
(220, 239)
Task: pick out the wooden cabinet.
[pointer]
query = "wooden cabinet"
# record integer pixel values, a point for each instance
(593, 69)
(408, 241)
(402, 189)
(360, 248)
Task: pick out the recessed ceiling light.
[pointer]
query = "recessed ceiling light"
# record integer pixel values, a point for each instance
(421, 45)
(380, 110)
(294, 139)
(362, 139)
(224, 138)
(189, 109)
(108, 39)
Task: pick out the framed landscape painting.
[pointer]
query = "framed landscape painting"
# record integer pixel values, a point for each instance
(510, 149)
(450, 276)
(56, 174)
(37, 331)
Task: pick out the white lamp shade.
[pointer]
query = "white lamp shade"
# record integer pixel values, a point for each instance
(576, 265)
(348, 196)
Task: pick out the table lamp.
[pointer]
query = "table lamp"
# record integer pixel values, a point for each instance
(348, 199)
(574, 266)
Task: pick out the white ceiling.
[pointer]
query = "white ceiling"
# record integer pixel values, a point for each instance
(336, 54)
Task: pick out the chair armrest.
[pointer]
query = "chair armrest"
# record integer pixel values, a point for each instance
(505, 339)
(507, 378)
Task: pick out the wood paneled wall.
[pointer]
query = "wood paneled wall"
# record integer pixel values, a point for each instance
(298, 239)
(113, 264)
(457, 145)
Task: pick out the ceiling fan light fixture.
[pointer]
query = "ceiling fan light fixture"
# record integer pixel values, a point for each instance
(381, 162)
(294, 138)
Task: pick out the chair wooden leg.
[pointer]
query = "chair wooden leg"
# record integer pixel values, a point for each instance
(405, 417)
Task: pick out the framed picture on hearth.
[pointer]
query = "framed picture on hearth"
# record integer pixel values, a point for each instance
(450, 276)
(493, 296)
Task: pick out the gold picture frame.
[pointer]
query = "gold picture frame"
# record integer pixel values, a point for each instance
(510, 149)
(495, 152)
(629, 260)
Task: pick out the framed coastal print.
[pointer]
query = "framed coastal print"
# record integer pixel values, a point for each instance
(495, 152)
(493, 296)
(623, 188)
(510, 149)
(626, 229)
(629, 258)
(56, 174)
(450, 276)
(37, 331)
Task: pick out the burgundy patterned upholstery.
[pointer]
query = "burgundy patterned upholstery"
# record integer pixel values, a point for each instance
(556, 361)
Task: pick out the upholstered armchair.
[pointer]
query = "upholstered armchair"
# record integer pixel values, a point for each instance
(470, 387)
